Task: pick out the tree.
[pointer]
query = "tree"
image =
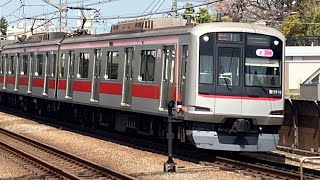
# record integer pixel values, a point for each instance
(189, 11)
(3, 25)
(203, 16)
(271, 11)
(292, 26)
(314, 28)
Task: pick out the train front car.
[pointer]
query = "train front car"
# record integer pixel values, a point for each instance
(234, 90)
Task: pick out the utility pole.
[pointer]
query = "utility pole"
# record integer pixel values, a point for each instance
(174, 12)
(62, 14)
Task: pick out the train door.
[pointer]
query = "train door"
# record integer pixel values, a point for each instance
(228, 88)
(128, 76)
(96, 76)
(167, 77)
(70, 75)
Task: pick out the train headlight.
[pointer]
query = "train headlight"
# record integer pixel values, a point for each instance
(206, 38)
(276, 42)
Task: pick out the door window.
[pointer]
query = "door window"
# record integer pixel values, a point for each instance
(228, 66)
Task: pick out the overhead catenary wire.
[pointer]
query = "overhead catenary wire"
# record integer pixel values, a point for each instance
(5, 3)
(147, 14)
(100, 2)
(148, 7)
(158, 7)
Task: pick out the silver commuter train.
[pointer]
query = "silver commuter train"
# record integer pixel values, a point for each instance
(226, 79)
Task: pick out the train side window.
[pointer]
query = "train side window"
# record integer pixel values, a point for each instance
(18, 68)
(83, 65)
(24, 65)
(1, 64)
(53, 65)
(147, 67)
(62, 62)
(39, 65)
(97, 58)
(11, 65)
(112, 65)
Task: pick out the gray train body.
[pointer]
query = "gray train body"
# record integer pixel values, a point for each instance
(225, 77)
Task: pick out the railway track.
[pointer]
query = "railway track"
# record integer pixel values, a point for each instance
(254, 167)
(44, 160)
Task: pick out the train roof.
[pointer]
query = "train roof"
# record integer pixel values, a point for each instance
(236, 27)
(179, 30)
(107, 37)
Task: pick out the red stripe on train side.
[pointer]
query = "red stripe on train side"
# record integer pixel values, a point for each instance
(146, 91)
(114, 88)
(10, 79)
(1, 79)
(240, 97)
(62, 84)
(83, 86)
(37, 82)
(51, 83)
(23, 80)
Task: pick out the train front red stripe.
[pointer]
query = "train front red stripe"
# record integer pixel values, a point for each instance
(146, 91)
(114, 88)
(1, 79)
(83, 86)
(240, 97)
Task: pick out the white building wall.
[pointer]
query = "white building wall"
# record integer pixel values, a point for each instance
(301, 62)
(299, 71)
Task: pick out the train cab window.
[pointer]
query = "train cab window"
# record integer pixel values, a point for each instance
(24, 65)
(263, 59)
(83, 65)
(112, 65)
(148, 61)
(62, 63)
(11, 65)
(206, 59)
(38, 65)
(228, 63)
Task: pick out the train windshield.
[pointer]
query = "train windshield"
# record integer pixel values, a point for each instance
(263, 59)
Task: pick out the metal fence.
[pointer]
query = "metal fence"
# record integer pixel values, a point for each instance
(300, 129)
(303, 41)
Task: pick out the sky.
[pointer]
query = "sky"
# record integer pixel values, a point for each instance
(12, 12)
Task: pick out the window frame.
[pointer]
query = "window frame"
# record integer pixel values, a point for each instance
(81, 68)
(141, 78)
(109, 63)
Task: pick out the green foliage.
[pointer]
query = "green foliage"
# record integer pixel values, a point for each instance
(314, 28)
(203, 16)
(226, 19)
(3, 25)
(292, 26)
(189, 11)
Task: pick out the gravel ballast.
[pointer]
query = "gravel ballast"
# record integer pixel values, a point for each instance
(138, 163)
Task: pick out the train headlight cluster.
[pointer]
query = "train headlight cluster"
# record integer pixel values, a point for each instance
(276, 43)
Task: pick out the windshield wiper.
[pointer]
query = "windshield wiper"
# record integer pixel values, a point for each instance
(225, 79)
